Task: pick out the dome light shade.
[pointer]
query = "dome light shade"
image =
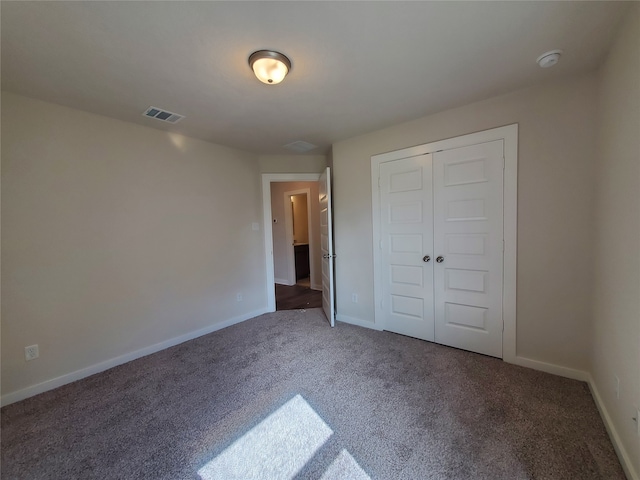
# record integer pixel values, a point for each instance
(270, 67)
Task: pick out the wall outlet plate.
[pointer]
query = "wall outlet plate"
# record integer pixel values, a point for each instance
(31, 352)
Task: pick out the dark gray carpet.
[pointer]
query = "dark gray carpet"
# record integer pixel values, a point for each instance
(286, 396)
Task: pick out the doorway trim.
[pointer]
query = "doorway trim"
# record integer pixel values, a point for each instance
(509, 134)
(267, 179)
(288, 219)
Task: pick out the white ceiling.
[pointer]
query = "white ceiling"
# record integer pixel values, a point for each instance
(357, 66)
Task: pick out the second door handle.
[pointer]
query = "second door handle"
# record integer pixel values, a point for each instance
(426, 258)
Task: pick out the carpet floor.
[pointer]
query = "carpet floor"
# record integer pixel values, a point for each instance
(286, 396)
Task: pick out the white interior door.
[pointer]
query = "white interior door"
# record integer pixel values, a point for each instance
(406, 245)
(326, 246)
(468, 242)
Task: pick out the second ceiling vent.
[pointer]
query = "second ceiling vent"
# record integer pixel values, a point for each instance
(300, 146)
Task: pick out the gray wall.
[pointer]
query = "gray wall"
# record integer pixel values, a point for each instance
(616, 345)
(116, 237)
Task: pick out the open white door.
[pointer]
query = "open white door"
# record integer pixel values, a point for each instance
(326, 246)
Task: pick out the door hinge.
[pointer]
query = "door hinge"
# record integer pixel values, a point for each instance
(379, 183)
(504, 163)
(503, 246)
(380, 245)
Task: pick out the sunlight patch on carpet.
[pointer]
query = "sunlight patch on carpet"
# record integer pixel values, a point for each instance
(344, 466)
(276, 448)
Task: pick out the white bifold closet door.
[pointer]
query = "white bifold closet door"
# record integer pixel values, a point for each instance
(441, 224)
(407, 246)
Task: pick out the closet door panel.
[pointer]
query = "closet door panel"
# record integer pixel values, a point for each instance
(406, 223)
(468, 239)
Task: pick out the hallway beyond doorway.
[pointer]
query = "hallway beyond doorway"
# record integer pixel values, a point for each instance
(298, 296)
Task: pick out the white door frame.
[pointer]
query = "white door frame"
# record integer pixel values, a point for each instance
(288, 221)
(509, 134)
(267, 179)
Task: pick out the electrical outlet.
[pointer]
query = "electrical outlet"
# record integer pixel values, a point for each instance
(616, 386)
(31, 352)
(239, 297)
(354, 297)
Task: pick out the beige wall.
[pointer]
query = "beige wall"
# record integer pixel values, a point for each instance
(616, 347)
(116, 237)
(280, 255)
(300, 218)
(292, 163)
(557, 130)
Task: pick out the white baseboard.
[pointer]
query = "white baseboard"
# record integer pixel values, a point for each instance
(316, 286)
(357, 321)
(47, 385)
(283, 281)
(521, 361)
(623, 455)
(550, 368)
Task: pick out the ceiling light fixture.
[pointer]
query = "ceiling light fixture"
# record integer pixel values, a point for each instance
(270, 67)
(549, 59)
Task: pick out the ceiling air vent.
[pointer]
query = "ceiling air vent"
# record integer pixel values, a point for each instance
(300, 146)
(165, 116)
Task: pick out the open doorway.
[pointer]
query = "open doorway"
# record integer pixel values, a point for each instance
(296, 245)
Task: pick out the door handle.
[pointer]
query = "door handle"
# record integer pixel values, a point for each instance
(426, 258)
(440, 259)
(326, 255)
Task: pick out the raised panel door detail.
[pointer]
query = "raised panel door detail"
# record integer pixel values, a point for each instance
(405, 213)
(462, 173)
(406, 275)
(406, 243)
(405, 181)
(461, 244)
(324, 243)
(466, 280)
(466, 316)
(407, 306)
(465, 210)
